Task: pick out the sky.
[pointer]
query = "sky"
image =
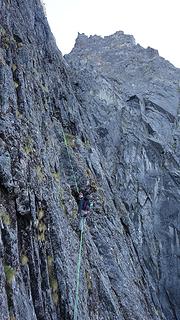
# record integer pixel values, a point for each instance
(154, 23)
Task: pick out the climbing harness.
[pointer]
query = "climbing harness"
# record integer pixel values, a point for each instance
(78, 271)
(74, 176)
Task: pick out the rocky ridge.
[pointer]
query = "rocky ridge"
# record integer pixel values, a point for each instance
(118, 106)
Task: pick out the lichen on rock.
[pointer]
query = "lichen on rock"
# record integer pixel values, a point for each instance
(106, 115)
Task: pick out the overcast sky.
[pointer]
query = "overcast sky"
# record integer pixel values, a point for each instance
(154, 23)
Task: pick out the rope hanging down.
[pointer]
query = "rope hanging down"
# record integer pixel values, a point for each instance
(81, 239)
(78, 273)
(74, 176)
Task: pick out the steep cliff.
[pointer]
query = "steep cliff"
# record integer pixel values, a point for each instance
(116, 105)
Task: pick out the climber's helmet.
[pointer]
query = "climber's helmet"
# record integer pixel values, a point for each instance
(81, 195)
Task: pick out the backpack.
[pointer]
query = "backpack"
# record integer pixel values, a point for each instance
(85, 205)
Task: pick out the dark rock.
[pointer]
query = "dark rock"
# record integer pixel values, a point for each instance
(117, 105)
(5, 171)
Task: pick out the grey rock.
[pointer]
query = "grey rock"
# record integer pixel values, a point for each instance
(122, 86)
(5, 171)
(23, 202)
(118, 106)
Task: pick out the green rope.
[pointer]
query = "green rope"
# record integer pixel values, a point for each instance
(81, 239)
(74, 176)
(78, 273)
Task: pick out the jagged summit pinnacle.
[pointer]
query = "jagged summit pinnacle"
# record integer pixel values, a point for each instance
(108, 118)
(138, 71)
(117, 43)
(118, 38)
(113, 49)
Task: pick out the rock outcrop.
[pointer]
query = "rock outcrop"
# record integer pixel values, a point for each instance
(116, 105)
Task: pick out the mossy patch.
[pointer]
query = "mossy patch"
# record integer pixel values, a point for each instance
(24, 260)
(54, 288)
(40, 214)
(41, 231)
(88, 280)
(49, 262)
(39, 172)
(74, 213)
(42, 227)
(28, 146)
(70, 140)
(5, 39)
(16, 84)
(56, 176)
(55, 298)
(14, 67)
(61, 197)
(10, 273)
(41, 237)
(5, 218)
(27, 149)
(18, 114)
(52, 279)
(88, 172)
(54, 284)
(87, 144)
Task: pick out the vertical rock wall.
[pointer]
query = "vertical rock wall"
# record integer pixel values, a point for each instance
(121, 141)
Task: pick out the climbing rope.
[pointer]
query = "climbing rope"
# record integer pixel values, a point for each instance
(78, 272)
(81, 238)
(74, 176)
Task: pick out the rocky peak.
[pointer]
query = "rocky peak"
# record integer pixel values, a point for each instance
(105, 118)
(136, 70)
(117, 40)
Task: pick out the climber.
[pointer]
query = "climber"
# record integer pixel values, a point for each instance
(85, 205)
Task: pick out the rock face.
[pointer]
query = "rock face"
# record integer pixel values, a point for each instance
(117, 107)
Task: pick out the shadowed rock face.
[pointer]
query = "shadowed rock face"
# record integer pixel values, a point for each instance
(132, 96)
(118, 105)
